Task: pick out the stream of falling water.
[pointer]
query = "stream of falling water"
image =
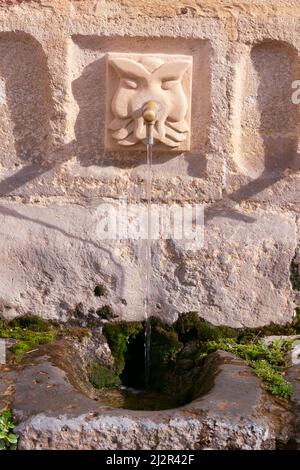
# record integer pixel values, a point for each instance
(148, 266)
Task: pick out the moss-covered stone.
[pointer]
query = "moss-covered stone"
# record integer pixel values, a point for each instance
(31, 331)
(164, 342)
(31, 322)
(165, 346)
(102, 376)
(106, 313)
(252, 334)
(267, 361)
(118, 335)
(177, 353)
(100, 290)
(77, 332)
(29, 334)
(30, 341)
(190, 326)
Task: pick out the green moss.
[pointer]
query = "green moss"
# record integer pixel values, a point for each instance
(31, 322)
(179, 371)
(177, 352)
(276, 383)
(100, 290)
(106, 313)
(77, 332)
(30, 331)
(246, 351)
(164, 343)
(8, 439)
(252, 334)
(30, 341)
(190, 326)
(118, 335)
(102, 376)
(3, 323)
(267, 361)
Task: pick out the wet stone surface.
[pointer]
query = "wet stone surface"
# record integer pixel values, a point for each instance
(55, 410)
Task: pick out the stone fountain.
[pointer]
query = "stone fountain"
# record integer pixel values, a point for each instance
(75, 86)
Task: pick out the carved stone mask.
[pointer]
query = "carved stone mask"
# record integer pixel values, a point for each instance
(151, 78)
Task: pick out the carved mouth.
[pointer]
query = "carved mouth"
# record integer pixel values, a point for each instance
(130, 131)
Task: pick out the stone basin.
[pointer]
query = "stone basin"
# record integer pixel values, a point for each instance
(54, 410)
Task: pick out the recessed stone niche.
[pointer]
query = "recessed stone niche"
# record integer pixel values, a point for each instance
(25, 102)
(266, 131)
(94, 84)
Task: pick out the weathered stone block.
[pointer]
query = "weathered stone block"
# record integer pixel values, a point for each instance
(52, 259)
(55, 168)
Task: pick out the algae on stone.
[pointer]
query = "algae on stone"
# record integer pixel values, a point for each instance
(102, 376)
(177, 352)
(106, 313)
(30, 331)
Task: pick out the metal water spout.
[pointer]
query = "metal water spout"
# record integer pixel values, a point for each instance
(150, 112)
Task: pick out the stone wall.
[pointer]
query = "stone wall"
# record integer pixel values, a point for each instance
(243, 164)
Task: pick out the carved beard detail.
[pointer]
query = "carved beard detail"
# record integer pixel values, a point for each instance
(149, 79)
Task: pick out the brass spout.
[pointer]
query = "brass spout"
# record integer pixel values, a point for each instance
(150, 116)
(150, 112)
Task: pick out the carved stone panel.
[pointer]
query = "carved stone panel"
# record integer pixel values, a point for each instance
(134, 79)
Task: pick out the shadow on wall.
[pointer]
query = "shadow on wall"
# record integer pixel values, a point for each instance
(28, 108)
(90, 124)
(25, 108)
(90, 95)
(270, 121)
(23, 68)
(276, 65)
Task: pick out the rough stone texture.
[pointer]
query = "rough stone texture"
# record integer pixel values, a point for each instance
(50, 263)
(293, 376)
(236, 413)
(243, 163)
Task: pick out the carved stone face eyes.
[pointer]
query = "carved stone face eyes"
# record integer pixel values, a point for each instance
(168, 84)
(129, 83)
(132, 84)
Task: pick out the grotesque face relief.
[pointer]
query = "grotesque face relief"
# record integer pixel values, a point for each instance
(135, 79)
